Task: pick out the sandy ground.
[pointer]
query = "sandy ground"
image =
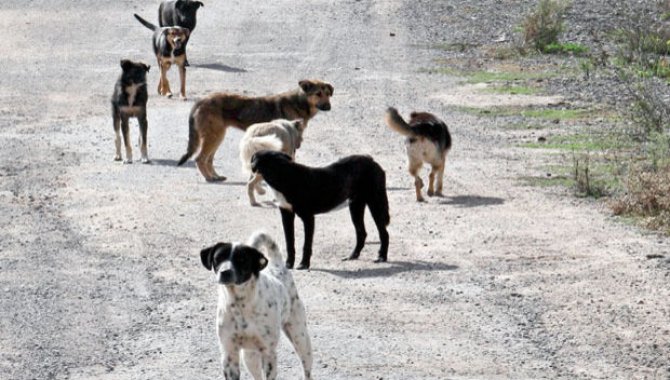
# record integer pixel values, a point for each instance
(100, 276)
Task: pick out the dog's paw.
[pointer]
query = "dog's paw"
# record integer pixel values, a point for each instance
(254, 204)
(380, 259)
(128, 161)
(183, 98)
(168, 95)
(420, 199)
(430, 192)
(260, 190)
(289, 264)
(302, 266)
(439, 194)
(117, 158)
(353, 256)
(216, 178)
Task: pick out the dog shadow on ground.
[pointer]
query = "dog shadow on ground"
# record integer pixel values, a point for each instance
(468, 201)
(171, 162)
(389, 269)
(219, 67)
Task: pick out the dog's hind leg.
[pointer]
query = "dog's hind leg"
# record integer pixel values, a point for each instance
(439, 178)
(379, 208)
(297, 334)
(210, 143)
(431, 180)
(270, 364)
(254, 363)
(308, 222)
(126, 140)
(357, 211)
(144, 126)
(251, 186)
(414, 168)
(288, 222)
(117, 135)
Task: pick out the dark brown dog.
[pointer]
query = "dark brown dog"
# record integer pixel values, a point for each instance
(211, 116)
(169, 45)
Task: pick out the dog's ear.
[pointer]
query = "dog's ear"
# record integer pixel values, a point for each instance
(187, 31)
(207, 255)
(330, 89)
(306, 85)
(200, 4)
(126, 64)
(255, 261)
(146, 67)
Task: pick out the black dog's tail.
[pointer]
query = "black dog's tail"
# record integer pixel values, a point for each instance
(193, 139)
(145, 22)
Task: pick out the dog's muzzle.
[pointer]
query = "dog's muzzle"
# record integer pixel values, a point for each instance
(323, 107)
(227, 277)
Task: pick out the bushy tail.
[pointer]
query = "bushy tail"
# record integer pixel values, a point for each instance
(253, 144)
(193, 140)
(145, 22)
(397, 123)
(260, 239)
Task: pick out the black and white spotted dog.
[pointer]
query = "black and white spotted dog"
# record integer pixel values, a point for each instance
(257, 300)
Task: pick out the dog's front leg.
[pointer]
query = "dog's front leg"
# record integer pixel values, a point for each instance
(231, 364)
(117, 135)
(126, 140)
(182, 79)
(288, 222)
(144, 126)
(270, 365)
(308, 222)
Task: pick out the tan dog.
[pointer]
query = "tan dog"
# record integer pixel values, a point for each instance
(428, 140)
(211, 116)
(278, 135)
(170, 48)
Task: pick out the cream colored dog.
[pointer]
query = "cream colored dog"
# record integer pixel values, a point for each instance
(278, 135)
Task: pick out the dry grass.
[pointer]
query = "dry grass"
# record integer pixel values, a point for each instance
(542, 27)
(648, 197)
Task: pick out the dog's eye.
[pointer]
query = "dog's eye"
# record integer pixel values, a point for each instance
(319, 93)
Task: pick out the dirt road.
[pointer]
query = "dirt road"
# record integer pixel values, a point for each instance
(99, 270)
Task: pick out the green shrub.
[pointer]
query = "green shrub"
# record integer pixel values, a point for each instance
(542, 27)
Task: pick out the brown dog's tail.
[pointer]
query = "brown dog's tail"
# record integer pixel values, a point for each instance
(397, 123)
(145, 22)
(193, 140)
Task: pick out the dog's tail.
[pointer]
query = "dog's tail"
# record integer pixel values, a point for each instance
(193, 140)
(145, 22)
(397, 123)
(253, 144)
(260, 239)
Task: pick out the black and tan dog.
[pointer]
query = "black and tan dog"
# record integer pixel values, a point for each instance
(179, 13)
(307, 191)
(169, 45)
(428, 140)
(130, 100)
(211, 116)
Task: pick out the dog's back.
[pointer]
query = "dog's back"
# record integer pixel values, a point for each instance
(421, 125)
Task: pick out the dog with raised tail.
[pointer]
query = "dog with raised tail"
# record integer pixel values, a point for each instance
(428, 140)
(278, 135)
(257, 299)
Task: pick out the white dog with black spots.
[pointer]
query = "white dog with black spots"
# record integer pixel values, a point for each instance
(257, 300)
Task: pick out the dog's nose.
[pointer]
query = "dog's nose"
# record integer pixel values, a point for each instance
(226, 277)
(324, 107)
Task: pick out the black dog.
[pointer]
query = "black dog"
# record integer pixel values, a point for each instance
(179, 13)
(309, 191)
(130, 99)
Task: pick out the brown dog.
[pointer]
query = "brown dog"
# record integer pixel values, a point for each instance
(170, 48)
(428, 140)
(211, 116)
